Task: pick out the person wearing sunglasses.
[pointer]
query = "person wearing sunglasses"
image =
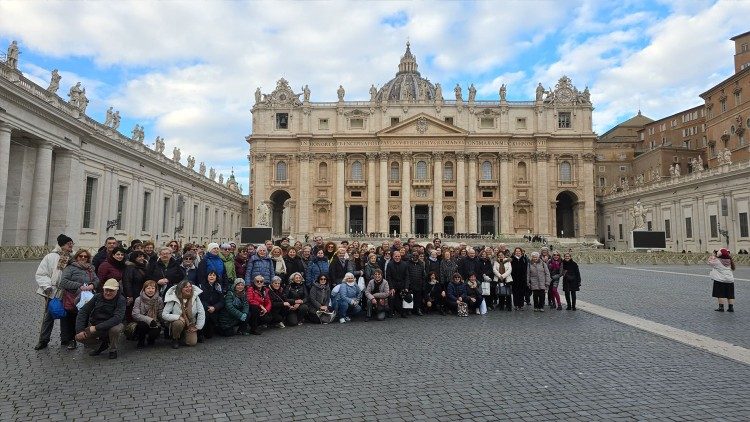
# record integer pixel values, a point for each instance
(78, 276)
(318, 299)
(259, 298)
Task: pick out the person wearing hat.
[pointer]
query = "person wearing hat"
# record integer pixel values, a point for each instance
(101, 320)
(47, 276)
(722, 265)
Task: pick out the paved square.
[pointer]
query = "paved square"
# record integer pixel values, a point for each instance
(519, 366)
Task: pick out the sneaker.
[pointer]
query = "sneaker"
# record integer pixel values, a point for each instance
(72, 344)
(281, 325)
(348, 319)
(342, 320)
(541, 309)
(477, 312)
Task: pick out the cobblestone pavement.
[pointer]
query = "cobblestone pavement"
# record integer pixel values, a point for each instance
(679, 300)
(520, 366)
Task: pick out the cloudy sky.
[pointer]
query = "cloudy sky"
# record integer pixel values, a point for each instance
(187, 70)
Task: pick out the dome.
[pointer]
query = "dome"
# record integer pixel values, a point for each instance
(408, 85)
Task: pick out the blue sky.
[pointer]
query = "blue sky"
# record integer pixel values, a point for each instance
(187, 70)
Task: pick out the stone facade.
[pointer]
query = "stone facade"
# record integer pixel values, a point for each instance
(63, 172)
(411, 162)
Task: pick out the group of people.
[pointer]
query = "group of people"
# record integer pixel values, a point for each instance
(190, 293)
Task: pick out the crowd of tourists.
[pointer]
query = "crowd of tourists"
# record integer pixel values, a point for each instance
(191, 293)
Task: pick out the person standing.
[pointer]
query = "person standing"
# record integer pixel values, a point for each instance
(722, 265)
(571, 277)
(519, 264)
(538, 280)
(397, 274)
(417, 277)
(47, 276)
(109, 245)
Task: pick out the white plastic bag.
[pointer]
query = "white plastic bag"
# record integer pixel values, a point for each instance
(483, 308)
(486, 290)
(361, 284)
(85, 297)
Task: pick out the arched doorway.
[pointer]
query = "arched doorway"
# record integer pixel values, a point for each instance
(565, 214)
(278, 198)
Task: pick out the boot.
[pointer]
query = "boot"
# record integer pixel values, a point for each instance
(141, 343)
(721, 308)
(102, 347)
(731, 308)
(41, 345)
(568, 308)
(175, 344)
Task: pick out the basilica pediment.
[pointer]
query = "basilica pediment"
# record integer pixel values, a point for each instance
(421, 125)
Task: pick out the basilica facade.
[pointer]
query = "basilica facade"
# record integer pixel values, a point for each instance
(410, 161)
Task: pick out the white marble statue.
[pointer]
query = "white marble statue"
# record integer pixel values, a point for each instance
(190, 162)
(503, 92)
(625, 184)
(438, 93)
(306, 93)
(116, 120)
(286, 219)
(221, 179)
(340, 93)
(639, 216)
(108, 117)
(83, 101)
(138, 134)
(54, 83)
(74, 94)
(257, 95)
(700, 163)
(176, 154)
(677, 169)
(202, 168)
(457, 91)
(159, 145)
(373, 93)
(12, 58)
(263, 215)
(539, 92)
(212, 173)
(639, 180)
(472, 93)
(727, 156)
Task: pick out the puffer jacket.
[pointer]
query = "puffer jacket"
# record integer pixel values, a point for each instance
(345, 292)
(235, 306)
(721, 270)
(173, 310)
(316, 267)
(537, 275)
(259, 297)
(101, 313)
(259, 267)
(212, 295)
(143, 305)
(73, 277)
(454, 291)
(320, 295)
(296, 291)
(417, 276)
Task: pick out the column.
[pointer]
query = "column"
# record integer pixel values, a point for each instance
(460, 192)
(406, 193)
(429, 217)
(339, 206)
(383, 196)
(371, 224)
(260, 180)
(303, 216)
(4, 165)
(589, 208)
(542, 204)
(413, 229)
(437, 193)
(41, 195)
(473, 192)
(506, 193)
(67, 195)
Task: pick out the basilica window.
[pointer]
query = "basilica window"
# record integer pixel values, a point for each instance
(448, 171)
(357, 170)
(487, 122)
(421, 170)
(521, 174)
(521, 123)
(449, 120)
(395, 172)
(282, 120)
(356, 123)
(322, 124)
(323, 172)
(281, 171)
(486, 170)
(89, 205)
(565, 172)
(563, 120)
(394, 121)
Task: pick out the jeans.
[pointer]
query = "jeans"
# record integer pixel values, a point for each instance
(538, 298)
(344, 308)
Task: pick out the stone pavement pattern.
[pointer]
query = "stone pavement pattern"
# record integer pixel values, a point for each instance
(520, 366)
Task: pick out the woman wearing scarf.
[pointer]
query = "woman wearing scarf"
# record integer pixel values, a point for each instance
(296, 295)
(113, 266)
(78, 276)
(184, 313)
(538, 280)
(234, 316)
(211, 261)
(279, 266)
(146, 310)
(133, 278)
(555, 272)
(721, 273)
(212, 299)
(571, 276)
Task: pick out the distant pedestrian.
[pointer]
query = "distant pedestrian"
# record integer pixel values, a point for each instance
(721, 273)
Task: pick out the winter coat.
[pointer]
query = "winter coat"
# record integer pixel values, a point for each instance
(141, 307)
(101, 313)
(502, 271)
(133, 278)
(47, 274)
(721, 270)
(157, 270)
(279, 267)
(487, 274)
(235, 307)
(317, 267)
(73, 277)
(456, 290)
(259, 267)
(417, 276)
(571, 276)
(347, 293)
(447, 269)
(469, 266)
(375, 291)
(397, 274)
(230, 272)
(369, 271)
(211, 262)
(189, 273)
(433, 291)
(518, 269)
(111, 269)
(474, 291)
(296, 291)
(320, 295)
(293, 265)
(212, 295)
(277, 297)
(555, 272)
(432, 267)
(99, 258)
(259, 297)
(338, 268)
(173, 309)
(240, 266)
(537, 276)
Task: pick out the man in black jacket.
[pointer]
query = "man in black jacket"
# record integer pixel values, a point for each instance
(470, 265)
(397, 274)
(109, 245)
(417, 277)
(165, 270)
(100, 320)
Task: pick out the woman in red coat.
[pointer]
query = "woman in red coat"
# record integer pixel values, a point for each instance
(112, 267)
(259, 299)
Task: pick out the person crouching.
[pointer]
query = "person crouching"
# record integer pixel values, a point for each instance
(184, 313)
(147, 310)
(100, 320)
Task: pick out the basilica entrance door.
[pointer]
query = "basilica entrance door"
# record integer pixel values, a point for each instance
(356, 219)
(421, 219)
(565, 214)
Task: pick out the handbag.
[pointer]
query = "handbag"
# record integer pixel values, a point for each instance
(486, 289)
(56, 309)
(407, 301)
(69, 301)
(462, 309)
